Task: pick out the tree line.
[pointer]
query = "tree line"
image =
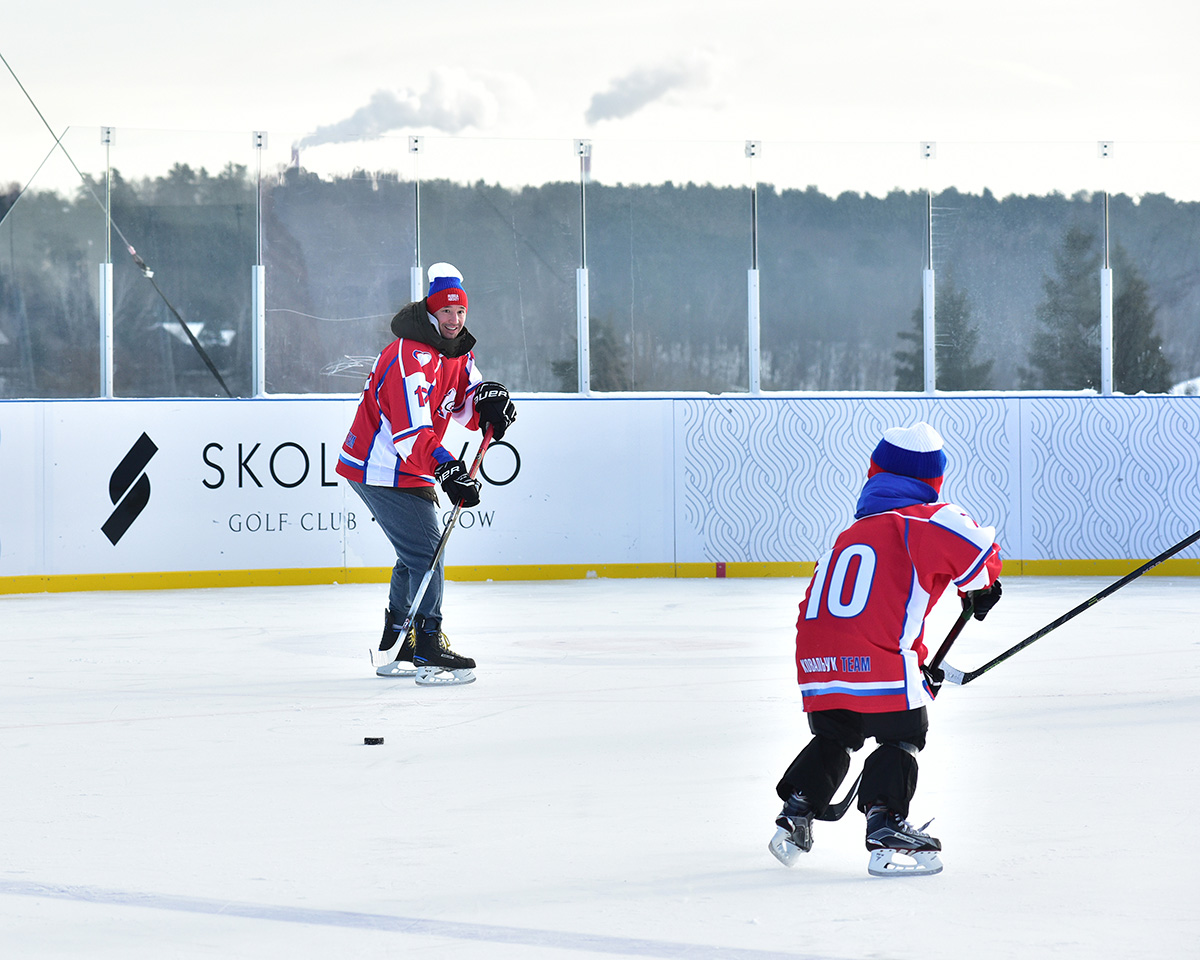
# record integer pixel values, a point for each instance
(1018, 299)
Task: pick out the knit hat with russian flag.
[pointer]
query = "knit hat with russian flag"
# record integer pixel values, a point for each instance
(445, 288)
(913, 451)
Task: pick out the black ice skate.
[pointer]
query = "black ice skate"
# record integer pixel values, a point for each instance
(794, 834)
(436, 663)
(402, 665)
(889, 837)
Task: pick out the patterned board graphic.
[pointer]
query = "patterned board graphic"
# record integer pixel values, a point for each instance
(1118, 477)
(775, 480)
(1061, 478)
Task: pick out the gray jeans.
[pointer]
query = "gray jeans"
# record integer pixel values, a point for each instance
(410, 523)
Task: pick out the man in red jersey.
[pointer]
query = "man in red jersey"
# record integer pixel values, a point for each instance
(393, 456)
(860, 648)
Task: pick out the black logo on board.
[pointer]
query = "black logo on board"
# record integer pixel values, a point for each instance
(128, 482)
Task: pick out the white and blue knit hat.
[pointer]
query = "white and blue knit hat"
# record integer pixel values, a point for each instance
(913, 451)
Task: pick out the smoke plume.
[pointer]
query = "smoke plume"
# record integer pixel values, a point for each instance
(447, 107)
(628, 94)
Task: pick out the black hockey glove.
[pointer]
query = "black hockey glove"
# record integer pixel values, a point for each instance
(984, 599)
(460, 487)
(934, 676)
(495, 409)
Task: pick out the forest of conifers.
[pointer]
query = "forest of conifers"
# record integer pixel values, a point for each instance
(1018, 291)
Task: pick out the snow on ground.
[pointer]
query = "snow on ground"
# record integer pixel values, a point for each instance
(184, 776)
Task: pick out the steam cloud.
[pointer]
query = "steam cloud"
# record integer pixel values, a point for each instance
(441, 107)
(628, 94)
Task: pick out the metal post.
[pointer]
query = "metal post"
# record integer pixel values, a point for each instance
(753, 302)
(583, 149)
(583, 334)
(928, 151)
(929, 303)
(928, 331)
(105, 297)
(754, 342)
(258, 285)
(258, 330)
(106, 138)
(105, 291)
(260, 142)
(416, 285)
(1106, 314)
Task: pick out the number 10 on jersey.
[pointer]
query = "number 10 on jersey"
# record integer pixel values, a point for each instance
(842, 582)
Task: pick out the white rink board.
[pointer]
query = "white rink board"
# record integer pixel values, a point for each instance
(250, 484)
(574, 482)
(22, 507)
(233, 485)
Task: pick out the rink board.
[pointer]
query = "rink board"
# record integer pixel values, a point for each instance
(216, 492)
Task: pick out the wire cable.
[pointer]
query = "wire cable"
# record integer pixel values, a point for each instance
(141, 264)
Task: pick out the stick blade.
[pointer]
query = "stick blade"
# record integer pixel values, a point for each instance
(952, 674)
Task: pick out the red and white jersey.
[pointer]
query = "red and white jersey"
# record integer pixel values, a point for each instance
(860, 636)
(411, 395)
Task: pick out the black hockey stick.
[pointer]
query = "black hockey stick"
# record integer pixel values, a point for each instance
(955, 630)
(388, 642)
(960, 677)
(835, 811)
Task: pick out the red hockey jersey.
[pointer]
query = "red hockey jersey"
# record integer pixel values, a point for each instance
(406, 406)
(860, 636)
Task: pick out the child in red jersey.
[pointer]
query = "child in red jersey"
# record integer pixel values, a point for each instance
(860, 647)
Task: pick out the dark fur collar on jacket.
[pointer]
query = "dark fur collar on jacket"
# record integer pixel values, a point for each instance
(412, 323)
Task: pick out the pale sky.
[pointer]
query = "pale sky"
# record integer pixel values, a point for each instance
(1020, 73)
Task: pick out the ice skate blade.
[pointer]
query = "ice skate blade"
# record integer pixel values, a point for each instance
(438, 677)
(911, 863)
(396, 669)
(782, 848)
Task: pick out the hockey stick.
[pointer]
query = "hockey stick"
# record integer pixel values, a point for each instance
(835, 811)
(388, 642)
(960, 677)
(955, 630)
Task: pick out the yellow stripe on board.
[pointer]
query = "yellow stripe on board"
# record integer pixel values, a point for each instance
(1172, 567)
(193, 579)
(199, 579)
(634, 571)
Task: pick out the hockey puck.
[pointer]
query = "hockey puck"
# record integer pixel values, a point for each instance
(372, 741)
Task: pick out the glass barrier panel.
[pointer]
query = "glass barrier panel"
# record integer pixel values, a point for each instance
(27, 142)
(184, 222)
(339, 245)
(1016, 239)
(507, 214)
(1154, 222)
(669, 247)
(51, 246)
(1017, 247)
(841, 245)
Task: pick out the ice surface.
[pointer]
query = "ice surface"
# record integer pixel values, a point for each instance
(184, 775)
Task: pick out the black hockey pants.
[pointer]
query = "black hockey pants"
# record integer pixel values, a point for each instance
(889, 774)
